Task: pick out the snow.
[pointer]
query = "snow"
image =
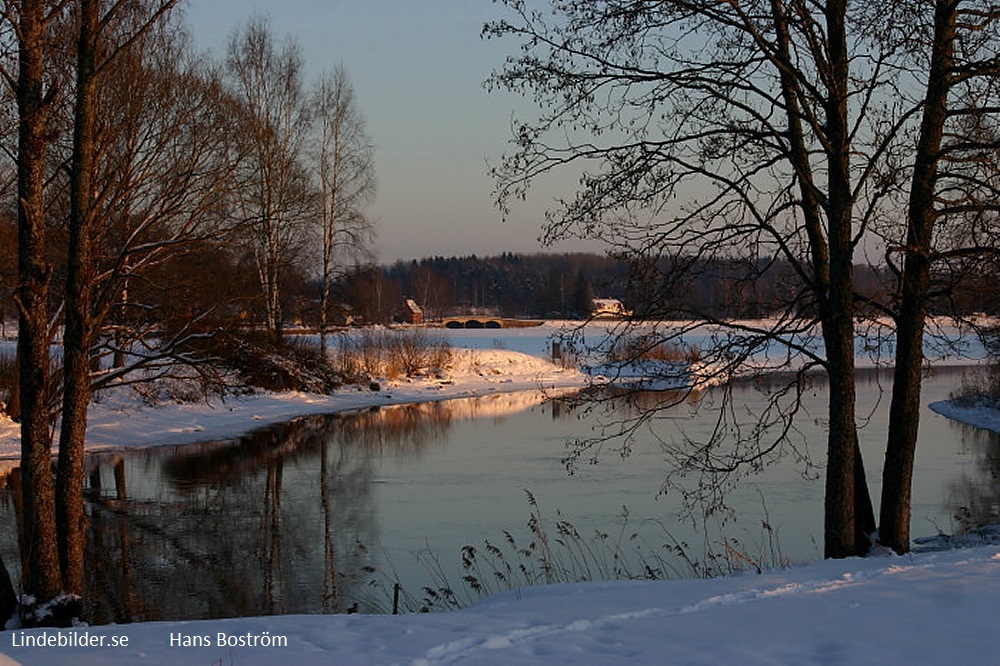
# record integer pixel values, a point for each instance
(976, 413)
(930, 608)
(120, 420)
(924, 608)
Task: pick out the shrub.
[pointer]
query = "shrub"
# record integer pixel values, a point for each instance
(982, 387)
(649, 348)
(391, 354)
(263, 363)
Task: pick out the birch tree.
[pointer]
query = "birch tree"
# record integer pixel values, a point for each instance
(273, 185)
(346, 168)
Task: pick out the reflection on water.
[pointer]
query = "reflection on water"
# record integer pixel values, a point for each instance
(322, 514)
(973, 498)
(281, 521)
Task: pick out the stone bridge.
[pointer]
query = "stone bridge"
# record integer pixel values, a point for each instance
(481, 321)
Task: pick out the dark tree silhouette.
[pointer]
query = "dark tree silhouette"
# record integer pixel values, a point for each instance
(759, 133)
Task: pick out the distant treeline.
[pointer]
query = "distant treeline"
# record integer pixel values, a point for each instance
(218, 285)
(562, 286)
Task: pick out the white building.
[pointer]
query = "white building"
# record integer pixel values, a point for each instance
(608, 308)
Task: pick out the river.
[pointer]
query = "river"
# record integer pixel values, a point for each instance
(453, 499)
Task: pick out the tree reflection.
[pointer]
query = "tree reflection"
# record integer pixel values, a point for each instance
(974, 498)
(288, 520)
(280, 521)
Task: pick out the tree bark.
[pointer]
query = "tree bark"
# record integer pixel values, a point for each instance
(79, 320)
(904, 408)
(840, 531)
(865, 526)
(8, 600)
(837, 304)
(40, 560)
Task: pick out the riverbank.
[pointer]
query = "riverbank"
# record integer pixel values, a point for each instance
(484, 361)
(925, 608)
(121, 419)
(931, 608)
(975, 413)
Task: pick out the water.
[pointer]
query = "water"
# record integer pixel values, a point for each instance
(324, 514)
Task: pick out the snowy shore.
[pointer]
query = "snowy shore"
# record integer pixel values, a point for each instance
(979, 415)
(120, 420)
(926, 608)
(934, 608)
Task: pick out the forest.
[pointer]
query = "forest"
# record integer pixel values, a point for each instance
(561, 286)
(218, 287)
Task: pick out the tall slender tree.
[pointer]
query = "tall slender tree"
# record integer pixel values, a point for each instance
(104, 34)
(78, 333)
(952, 202)
(32, 22)
(274, 194)
(346, 168)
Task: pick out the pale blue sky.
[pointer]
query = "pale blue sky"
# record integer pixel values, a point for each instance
(417, 68)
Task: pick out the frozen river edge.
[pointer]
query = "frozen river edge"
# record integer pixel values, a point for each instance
(924, 609)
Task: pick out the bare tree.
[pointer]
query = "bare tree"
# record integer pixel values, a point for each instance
(104, 34)
(32, 21)
(952, 204)
(165, 161)
(707, 133)
(431, 290)
(273, 185)
(346, 166)
(131, 202)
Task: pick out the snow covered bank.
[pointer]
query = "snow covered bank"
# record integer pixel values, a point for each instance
(485, 361)
(120, 420)
(978, 414)
(931, 608)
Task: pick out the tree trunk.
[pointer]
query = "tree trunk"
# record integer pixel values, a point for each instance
(865, 526)
(840, 529)
(273, 286)
(119, 335)
(14, 399)
(324, 304)
(40, 560)
(79, 320)
(8, 600)
(843, 481)
(904, 415)
(904, 408)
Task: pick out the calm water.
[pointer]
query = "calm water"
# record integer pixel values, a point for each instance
(325, 513)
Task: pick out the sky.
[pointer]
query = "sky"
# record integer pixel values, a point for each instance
(417, 69)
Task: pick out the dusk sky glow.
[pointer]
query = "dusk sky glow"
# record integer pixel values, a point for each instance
(417, 70)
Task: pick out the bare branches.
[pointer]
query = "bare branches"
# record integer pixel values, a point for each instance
(346, 171)
(273, 185)
(754, 132)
